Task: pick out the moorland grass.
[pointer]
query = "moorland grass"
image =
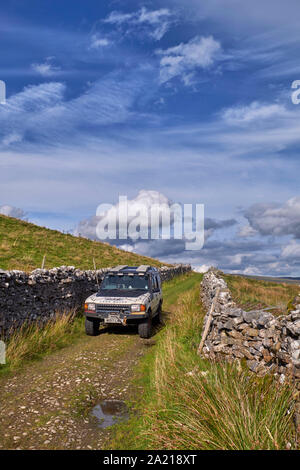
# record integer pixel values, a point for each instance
(251, 291)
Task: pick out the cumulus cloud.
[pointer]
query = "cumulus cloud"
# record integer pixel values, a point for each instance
(142, 242)
(185, 58)
(12, 211)
(153, 23)
(276, 219)
(201, 269)
(234, 255)
(145, 200)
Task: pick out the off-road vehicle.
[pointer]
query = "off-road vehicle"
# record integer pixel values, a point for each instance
(127, 295)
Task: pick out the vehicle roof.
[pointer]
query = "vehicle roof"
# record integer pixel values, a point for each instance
(142, 269)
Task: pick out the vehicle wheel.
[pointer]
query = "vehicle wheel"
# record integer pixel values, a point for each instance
(91, 326)
(145, 328)
(159, 314)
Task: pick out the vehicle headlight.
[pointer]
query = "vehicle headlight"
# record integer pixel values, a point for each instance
(138, 308)
(90, 307)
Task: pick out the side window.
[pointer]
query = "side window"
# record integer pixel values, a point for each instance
(158, 283)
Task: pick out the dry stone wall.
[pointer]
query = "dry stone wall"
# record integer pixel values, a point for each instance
(267, 343)
(42, 294)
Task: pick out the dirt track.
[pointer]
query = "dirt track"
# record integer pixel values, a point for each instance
(47, 405)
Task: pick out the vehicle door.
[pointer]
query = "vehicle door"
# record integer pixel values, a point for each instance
(155, 293)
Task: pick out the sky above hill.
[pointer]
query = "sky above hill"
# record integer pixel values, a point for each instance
(185, 102)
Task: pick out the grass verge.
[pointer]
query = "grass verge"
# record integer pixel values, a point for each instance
(33, 342)
(185, 402)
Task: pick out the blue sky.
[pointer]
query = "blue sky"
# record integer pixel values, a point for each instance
(193, 102)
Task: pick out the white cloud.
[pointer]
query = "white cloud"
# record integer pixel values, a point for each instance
(12, 138)
(252, 271)
(142, 204)
(185, 58)
(12, 211)
(291, 251)
(154, 23)
(247, 231)
(153, 17)
(116, 17)
(99, 42)
(29, 111)
(47, 68)
(253, 112)
(201, 269)
(276, 219)
(43, 112)
(127, 247)
(238, 259)
(159, 19)
(246, 17)
(144, 200)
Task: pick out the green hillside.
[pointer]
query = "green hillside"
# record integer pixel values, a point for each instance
(23, 246)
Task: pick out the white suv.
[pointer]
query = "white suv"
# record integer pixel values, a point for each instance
(127, 295)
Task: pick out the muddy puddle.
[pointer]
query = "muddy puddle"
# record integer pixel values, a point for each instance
(109, 412)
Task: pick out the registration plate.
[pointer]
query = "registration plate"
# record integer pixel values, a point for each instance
(112, 319)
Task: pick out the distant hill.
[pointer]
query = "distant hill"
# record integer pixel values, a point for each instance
(279, 279)
(23, 246)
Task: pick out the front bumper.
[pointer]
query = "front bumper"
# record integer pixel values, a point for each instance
(124, 316)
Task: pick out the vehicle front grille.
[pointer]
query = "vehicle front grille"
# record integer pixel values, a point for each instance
(115, 308)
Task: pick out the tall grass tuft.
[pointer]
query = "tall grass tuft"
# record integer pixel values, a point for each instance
(31, 342)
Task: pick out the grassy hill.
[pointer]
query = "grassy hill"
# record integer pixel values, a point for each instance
(23, 246)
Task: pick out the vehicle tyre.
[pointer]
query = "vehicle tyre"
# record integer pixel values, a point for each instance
(145, 328)
(159, 314)
(91, 326)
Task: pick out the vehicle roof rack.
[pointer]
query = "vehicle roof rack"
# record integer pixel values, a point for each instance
(122, 269)
(143, 268)
(118, 268)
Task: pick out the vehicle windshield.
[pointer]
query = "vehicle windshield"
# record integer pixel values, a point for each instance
(125, 282)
